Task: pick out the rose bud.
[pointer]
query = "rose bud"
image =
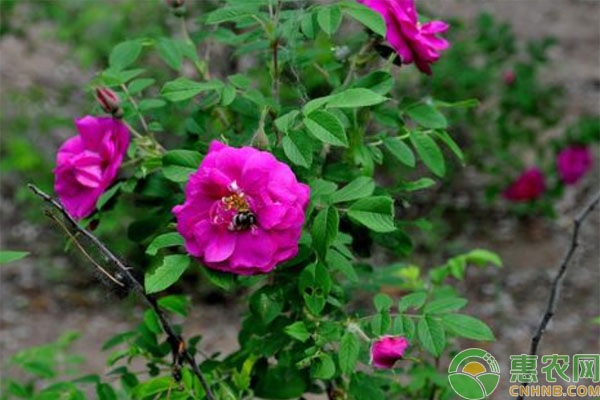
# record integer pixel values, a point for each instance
(109, 101)
(509, 77)
(387, 350)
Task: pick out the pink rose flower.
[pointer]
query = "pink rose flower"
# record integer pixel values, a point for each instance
(243, 210)
(387, 350)
(87, 164)
(414, 42)
(528, 186)
(509, 77)
(573, 162)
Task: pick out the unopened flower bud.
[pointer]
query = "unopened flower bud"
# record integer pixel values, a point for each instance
(260, 139)
(509, 77)
(109, 101)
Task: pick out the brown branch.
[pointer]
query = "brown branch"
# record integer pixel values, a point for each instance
(560, 275)
(126, 278)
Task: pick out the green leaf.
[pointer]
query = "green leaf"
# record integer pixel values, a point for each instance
(267, 303)
(348, 353)
(151, 104)
(340, 263)
(106, 196)
(151, 321)
(380, 82)
(315, 104)
(177, 304)
(307, 25)
(440, 306)
(419, 184)
(137, 85)
(427, 116)
(413, 300)
(443, 135)
(124, 54)
(167, 273)
(178, 165)
(314, 285)
(482, 257)
(228, 94)
(7, 256)
(169, 52)
(376, 213)
(298, 331)
(357, 189)
(183, 88)
(105, 392)
(152, 386)
(165, 240)
(329, 19)
(431, 335)
(366, 16)
(297, 149)
(382, 302)
(224, 280)
(286, 121)
(231, 13)
(429, 152)
(468, 327)
(400, 150)
(326, 127)
(323, 368)
(355, 97)
(324, 229)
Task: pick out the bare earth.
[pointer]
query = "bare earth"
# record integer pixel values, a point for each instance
(36, 309)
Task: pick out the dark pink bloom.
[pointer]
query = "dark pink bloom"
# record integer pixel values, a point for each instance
(414, 42)
(387, 350)
(87, 164)
(573, 162)
(528, 186)
(243, 210)
(509, 77)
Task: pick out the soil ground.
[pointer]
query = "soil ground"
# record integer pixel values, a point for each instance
(36, 308)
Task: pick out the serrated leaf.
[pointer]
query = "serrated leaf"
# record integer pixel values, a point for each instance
(106, 196)
(329, 19)
(267, 303)
(167, 273)
(431, 335)
(228, 94)
(366, 16)
(400, 150)
(152, 387)
(348, 353)
(151, 104)
(165, 240)
(380, 82)
(468, 327)
(357, 189)
(413, 300)
(382, 302)
(297, 150)
(427, 116)
(340, 263)
(419, 184)
(444, 137)
(230, 13)
(354, 98)
(124, 54)
(177, 304)
(137, 85)
(445, 305)
(178, 165)
(429, 152)
(298, 331)
(324, 229)
(169, 51)
(323, 368)
(286, 121)
(376, 213)
(326, 127)
(183, 88)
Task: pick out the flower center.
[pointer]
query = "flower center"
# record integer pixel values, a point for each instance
(233, 210)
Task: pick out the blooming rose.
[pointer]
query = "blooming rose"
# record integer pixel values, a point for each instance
(528, 186)
(243, 210)
(387, 350)
(88, 163)
(414, 42)
(573, 162)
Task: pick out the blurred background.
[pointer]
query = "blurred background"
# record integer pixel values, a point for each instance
(50, 50)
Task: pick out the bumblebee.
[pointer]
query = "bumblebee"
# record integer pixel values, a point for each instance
(242, 221)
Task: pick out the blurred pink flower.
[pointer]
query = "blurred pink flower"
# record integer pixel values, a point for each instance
(528, 186)
(387, 350)
(414, 42)
(573, 162)
(509, 77)
(243, 210)
(87, 164)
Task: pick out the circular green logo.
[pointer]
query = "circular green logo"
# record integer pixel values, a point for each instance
(474, 374)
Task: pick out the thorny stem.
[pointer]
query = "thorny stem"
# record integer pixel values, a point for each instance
(136, 108)
(560, 275)
(125, 277)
